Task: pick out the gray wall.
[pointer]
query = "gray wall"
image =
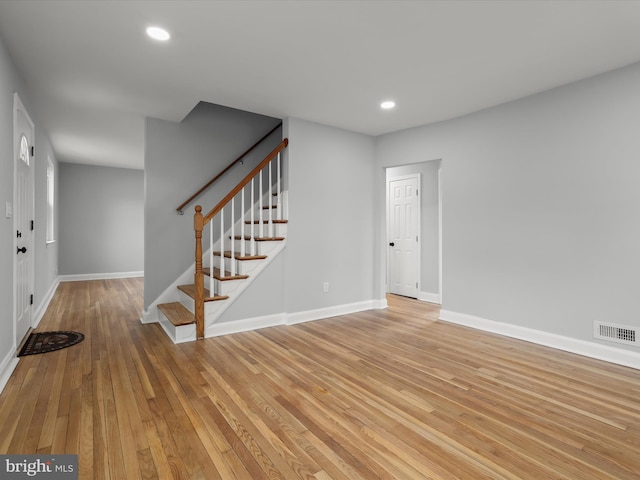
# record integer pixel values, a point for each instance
(331, 217)
(45, 257)
(179, 159)
(540, 205)
(101, 219)
(429, 227)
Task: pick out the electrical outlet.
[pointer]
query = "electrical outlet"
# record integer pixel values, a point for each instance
(325, 287)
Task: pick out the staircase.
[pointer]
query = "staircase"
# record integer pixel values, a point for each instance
(242, 242)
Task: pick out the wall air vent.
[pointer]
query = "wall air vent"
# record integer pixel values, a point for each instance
(616, 333)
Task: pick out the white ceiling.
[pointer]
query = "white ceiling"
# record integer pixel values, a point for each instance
(93, 75)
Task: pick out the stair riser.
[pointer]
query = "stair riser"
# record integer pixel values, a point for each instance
(279, 230)
(264, 214)
(226, 287)
(243, 267)
(186, 300)
(262, 248)
(274, 214)
(189, 302)
(178, 334)
(218, 287)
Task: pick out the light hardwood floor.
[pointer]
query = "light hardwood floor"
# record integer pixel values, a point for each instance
(385, 394)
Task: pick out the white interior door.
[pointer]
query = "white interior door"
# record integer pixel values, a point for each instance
(404, 226)
(23, 216)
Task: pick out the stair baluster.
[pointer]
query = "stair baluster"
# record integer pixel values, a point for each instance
(221, 243)
(242, 247)
(232, 243)
(261, 227)
(253, 237)
(278, 191)
(270, 204)
(211, 264)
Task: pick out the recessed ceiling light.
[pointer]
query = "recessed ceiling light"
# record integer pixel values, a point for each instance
(158, 33)
(388, 104)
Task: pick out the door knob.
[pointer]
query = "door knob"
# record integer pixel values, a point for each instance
(392, 244)
(22, 250)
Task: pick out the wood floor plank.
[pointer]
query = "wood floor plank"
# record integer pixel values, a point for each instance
(381, 394)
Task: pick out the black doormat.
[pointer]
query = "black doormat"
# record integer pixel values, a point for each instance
(43, 342)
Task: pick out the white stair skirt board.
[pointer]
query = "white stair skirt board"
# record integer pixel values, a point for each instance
(429, 297)
(559, 342)
(214, 310)
(8, 365)
(99, 276)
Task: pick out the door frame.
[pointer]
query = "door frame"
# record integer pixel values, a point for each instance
(388, 181)
(19, 106)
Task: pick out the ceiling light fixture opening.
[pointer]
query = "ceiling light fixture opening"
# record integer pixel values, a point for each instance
(158, 33)
(387, 105)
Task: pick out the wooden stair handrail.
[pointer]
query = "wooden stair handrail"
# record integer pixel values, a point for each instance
(281, 146)
(226, 169)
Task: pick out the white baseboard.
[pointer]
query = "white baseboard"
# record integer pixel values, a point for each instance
(246, 325)
(379, 304)
(567, 344)
(321, 313)
(44, 304)
(8, 365)
(429, 297)
(99, 276)
(281, 319)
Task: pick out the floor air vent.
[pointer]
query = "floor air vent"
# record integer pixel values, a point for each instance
(616, 333)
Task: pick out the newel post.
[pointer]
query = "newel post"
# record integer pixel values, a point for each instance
(198, 224)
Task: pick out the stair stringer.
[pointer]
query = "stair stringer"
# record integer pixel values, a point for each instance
(213, 311)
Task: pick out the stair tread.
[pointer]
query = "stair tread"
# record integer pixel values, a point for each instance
(190, 290)
(278, 222)
(226, 276)
(237, 256)
(259, 239)
(177, 313)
